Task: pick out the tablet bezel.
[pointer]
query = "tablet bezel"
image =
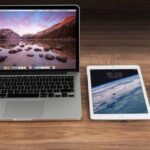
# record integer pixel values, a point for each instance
(135, 116)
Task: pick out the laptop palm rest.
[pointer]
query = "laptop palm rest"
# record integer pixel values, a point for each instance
(23, 109)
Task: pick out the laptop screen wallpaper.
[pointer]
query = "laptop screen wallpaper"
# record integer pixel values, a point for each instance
(38, 39)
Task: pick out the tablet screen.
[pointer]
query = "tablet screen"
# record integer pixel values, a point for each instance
(117, 91)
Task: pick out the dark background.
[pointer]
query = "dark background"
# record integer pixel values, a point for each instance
(99, 77)
(99, 9)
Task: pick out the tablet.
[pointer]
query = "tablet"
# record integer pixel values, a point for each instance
(117, 93)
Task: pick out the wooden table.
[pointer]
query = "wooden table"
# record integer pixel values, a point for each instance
(103, 42)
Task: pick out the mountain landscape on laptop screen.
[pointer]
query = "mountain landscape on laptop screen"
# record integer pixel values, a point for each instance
(37, 40)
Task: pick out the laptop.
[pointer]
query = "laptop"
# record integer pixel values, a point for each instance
(39, 63)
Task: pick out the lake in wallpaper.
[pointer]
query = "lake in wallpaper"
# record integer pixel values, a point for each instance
(38, 39)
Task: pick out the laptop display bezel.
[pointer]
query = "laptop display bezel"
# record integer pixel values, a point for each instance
(44, 71)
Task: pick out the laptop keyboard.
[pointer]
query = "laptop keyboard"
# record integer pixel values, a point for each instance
(36, 86)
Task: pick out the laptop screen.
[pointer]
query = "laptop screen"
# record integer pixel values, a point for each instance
(38, 39)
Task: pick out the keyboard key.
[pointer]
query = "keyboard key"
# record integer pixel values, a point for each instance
(43, 95)
(57, 95)
(22, 95)
(2, 95)
(64, 94)
(36, 86)
(51, 95)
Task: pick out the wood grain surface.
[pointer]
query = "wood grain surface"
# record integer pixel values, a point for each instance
(102, 42)
(112, 32)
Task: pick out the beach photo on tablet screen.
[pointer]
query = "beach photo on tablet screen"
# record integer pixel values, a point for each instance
(117, 92)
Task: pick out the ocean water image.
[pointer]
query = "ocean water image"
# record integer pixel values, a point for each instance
(118, 97)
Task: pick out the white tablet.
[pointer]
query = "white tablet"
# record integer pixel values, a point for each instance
(117, 93)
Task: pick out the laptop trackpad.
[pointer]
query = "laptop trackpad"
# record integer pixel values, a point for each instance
(24, 109)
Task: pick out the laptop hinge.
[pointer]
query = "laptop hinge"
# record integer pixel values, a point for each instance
(31, 73)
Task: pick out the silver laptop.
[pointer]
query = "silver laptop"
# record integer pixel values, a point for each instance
(39, 63)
